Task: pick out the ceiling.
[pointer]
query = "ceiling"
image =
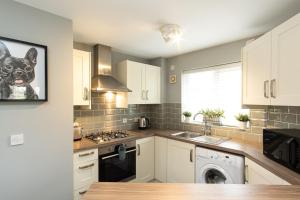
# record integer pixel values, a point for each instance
(132, 26)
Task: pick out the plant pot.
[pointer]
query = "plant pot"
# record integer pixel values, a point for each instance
(212, 121)
(243, 125)
(187, 119)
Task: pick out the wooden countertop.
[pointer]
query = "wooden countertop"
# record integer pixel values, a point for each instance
(171, 191)
(251, 151)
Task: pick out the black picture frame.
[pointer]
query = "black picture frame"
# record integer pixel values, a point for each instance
(30, 45)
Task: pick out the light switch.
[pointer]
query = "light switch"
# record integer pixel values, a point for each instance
(124, 120)
(17, 139)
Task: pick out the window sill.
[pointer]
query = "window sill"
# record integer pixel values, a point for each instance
(216, 126)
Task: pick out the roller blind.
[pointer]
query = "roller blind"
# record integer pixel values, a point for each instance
(214, 88)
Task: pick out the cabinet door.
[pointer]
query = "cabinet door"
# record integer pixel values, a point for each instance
(152, 84)
(181, 162)
(257, 71)
(286, 63)
(85, 173)
(161, 150)
(135, 72)
(145, 160)
(78, 194)
(81, 77)
(255, 174)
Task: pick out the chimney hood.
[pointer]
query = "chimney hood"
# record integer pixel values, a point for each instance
(103, 81)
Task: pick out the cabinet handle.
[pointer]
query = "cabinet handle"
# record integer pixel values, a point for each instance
(273, 88)
(147, 91)
(114, 155)
(143, 94)
(83, 192)
(191, 155)
(86, 154)
(139, 150)
(86, 166)
(246, 174)
(266, 86)
(85, 94)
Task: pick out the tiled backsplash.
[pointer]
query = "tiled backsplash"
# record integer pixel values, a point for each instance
(169, 116)
(104, 116)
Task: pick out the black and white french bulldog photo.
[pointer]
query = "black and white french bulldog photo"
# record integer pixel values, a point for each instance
(16, 74)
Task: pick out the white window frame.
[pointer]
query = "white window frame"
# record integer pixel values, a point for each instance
(211, 68)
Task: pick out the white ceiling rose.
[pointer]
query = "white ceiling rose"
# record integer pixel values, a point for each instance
(171, 32)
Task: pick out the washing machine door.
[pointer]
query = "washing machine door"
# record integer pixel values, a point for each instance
(213, 174)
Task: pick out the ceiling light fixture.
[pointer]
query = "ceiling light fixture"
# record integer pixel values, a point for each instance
(171, 32)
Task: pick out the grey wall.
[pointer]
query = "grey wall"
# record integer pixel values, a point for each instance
(118, 57)
(203, 58)
(42, 167)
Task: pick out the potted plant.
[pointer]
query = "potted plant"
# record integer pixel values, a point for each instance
(243, 120)
(212, 115)
(187, 116)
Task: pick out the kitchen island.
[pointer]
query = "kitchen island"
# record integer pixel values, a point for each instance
(182, 191)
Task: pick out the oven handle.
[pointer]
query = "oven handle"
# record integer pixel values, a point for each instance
(114, 155)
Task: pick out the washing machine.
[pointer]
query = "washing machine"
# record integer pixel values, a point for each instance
(215, 167)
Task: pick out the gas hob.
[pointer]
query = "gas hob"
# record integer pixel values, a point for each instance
(107, 136)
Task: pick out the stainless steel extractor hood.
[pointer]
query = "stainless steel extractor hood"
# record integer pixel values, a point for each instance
(103, 81)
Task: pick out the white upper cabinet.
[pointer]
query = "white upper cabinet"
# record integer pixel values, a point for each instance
(81, 78)
(131, 75)
(271, 67)
(257, 71)
(143, 80)
(286, 63)
(152, 86)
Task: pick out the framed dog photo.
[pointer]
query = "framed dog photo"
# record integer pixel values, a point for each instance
(23, 71)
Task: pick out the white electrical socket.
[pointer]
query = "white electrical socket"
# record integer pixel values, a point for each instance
(124, 120)
(17, 139)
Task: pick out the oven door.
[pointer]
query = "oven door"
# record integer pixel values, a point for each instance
(114, 169)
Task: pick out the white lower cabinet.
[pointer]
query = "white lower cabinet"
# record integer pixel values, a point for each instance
(256, 174)
(145, 160)
(161, 153)
(181, 162)
(85, 169)
(80, 192)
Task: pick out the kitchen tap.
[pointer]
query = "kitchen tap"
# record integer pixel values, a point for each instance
(207, 127)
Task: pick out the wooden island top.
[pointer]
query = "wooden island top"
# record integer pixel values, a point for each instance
(182, 191)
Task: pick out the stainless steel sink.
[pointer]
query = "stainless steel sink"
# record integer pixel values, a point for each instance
(209, 139)
(197, 137)
(186, 135)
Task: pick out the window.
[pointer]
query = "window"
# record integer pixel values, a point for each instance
(214, 88)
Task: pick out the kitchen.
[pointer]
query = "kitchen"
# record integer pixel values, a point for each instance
(150, 115)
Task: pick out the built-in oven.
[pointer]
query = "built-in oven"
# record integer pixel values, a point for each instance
(117, 162)
(283, 146)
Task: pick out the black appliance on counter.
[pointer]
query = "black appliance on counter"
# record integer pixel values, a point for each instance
(117, 162)
(283, 146)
